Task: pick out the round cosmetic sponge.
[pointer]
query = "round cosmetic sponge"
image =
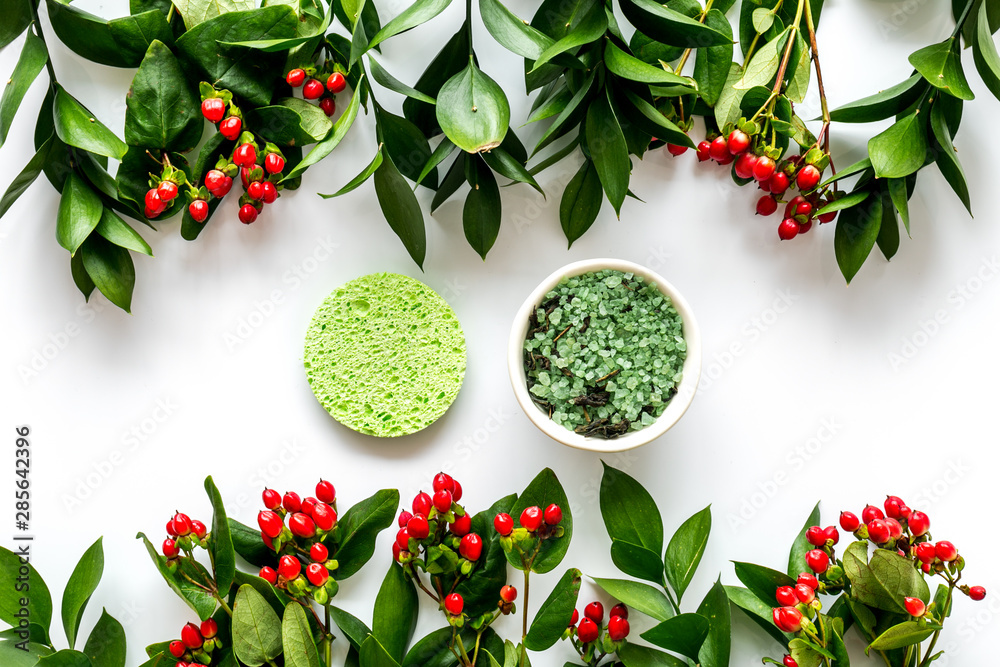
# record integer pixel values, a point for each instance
(385, 355)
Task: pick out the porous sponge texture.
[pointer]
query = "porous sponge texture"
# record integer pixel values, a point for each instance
(385, 355)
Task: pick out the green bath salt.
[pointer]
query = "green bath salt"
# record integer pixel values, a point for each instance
(604, 353)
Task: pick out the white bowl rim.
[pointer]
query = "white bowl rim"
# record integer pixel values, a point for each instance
(677, 406)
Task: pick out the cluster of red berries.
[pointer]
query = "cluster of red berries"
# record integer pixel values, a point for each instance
(183, 534)
(313, 88)
(438, 521)
(797, 602)
(590, 635)
(533, 522)
(304, 562)
(194, 648)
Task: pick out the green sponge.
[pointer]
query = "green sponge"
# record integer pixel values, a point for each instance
(385, 355)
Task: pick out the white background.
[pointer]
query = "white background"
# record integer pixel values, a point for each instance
(812, 390)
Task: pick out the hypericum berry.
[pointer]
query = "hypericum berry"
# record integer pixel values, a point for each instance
(295, 77)
(301, 525)
(167, 190)
(213, 109)
(508, 594)
(703, 151)
(915, 607)
(273, 164)
(443, 482)
(926, 567)
(324, 516)
(818, 561)
(422, 504)
(471, 547)
(895, 529)
(871, 513)
(745, 164)
(926, 552)
(404, 519)
(256, 191)
(271, 498)
(454, 604)
(191, 636)
(803, 209)
(788, 229)
(153, 201)
(456, 492)
(312, 89)
(807, 178)
(827, 217)
(574, 618)
(727, 160)
(270, 523)
(790, 209)
(231, 128)
(849, 522)
(676, 150)
(397, 553)
(214, 180)
(442, 500)
(247, 214)
(764, 169)
(309, 503)
(289, 567)
(291, 501)
(328, 105)
(946, 551)
(738, 142)
(815, 536)
(767, 205)
(336, 83)
(719, 149)
(461, 525)
(587, 631)
(531, 518)
(618, 628)
(619, 610)
(804, 594)
(786, 597)
(789, 661)
(317, 574)
(504, 524)
(209, 628)
(832, 534)
(977, 593)
(177, 649)
(807, 579)
(893, 507)
(878, 531)
(417, 527)
(553, 515)
(245, 155)
(778, 183)
(268, 575)
(170, 549)
(595, 612)
(403, 539)
(319, 553)
(198, 528)
(918, 523)
(788, 619)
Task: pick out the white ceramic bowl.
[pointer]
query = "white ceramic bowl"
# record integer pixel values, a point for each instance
(677, 406)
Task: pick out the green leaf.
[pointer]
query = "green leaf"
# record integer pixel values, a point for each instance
(27, 175)
(727, 108)
(220, 541)
(64, 658)
(247, 543)
(682, 634)
(763, 65)
(246, 72)
(256, 628)
(358, 180)
(900, 199)
(440, 154)
(941, 65)
(804, 653)
(885, 104)
(629, 67)
(568, 117)
(671, 27)
(685, 550)
(433, 650)
(13, 656)
(473, 111)
(902, 635)
(331, 141)
(39, 602)
(984, 53)
(161, 109)
(76, 126)
(120, 42)
(589, 25)
(761, 581)
(715, 607)
(543, 491)
(111, 269)
(608, 151)
(888, 231)
(639, 596)
(490, 575)
(554, 615)
(848, 201)
(855, 236)
(711, 67)
(581, 202)
(901, 149)
(297, 643)
(646, 117)
(757, 611)
(373, 654)
(395, 615)
(355, 630)
(856, 168)
(447, 63)
(883, 582)
(198, 11)
(507, 165)
(79, 213)
(394, 84)
(17, 17)
(200, 600)
(81, 585)
(106, 644)
(359, 527)
(637, 561)
(629, 511)
(800, 547)
(947, 157)
(800, 67)
(406, 145)
(32, 61)
(419, 12)
(452, 181)
(512, 32)
(291, 122)
(116, 230)
(763, 18)
(634, 655)
(481, 213)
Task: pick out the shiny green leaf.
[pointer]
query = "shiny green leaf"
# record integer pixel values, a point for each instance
(360, 525)
(512, 32)
(358, 180)
(581, 202)
(118, 232)
(112, 270)
(608, 151)
(83, 582)
(947, 156)
(162, 110)
(419, 12)
(402, 212)
(256, 628)
(79, 213)
(671, 27)
(629, 67)
(473, 111)
(711, 67)
(855, 236)
(298, 646)
(590, 24)
(554, 615)
(121, 42)
(76, 126)
(715, 651)
(106, 645)
(639, 596)
(332, 139)
(685, 550)
(941, 65)
(884, 104)
(482, 213)
(984, 53)
(682, 634)
(32, 61)
(901, 149)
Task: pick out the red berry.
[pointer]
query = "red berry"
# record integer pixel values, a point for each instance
(895, 529)
(719, 149)
(595, 612)
(788, 229)
(832, 534)
(727, 160)
(553, 515)
(404, 518)
(531, 518)
(618, 628)
(808, 579)
(946, 551)
(504, 524)
(170, 549)
(977, 593)
(167, 190)
(471, 547)
(422, 504)
(209, 628)
(778, 183)
(461, 525)
(271, 498)
(328, 105)
(804, 594)
(308, 505)
(918, 523)
(336, 83)
(676, 150)
(248, 214)
(214, 180)
(324, 516)
(245, 155)
(442, 501)
(312, 89)
(270, 523)
(893, 507)
(403, 539)
(443, 482)
(871, 513)
(291, 501)
(198, 528)
(878, 531)
(619, 610)
(418, 528)
(301, 525)
(767, 205)
(508, 594)
(317, 574)
(926, 567)
(295, 77)
(153, 201)
(738, 142)
(231, 128)
(804, 209)
(273, 164)
(319, 553)
(397, 553)
(573, 619)
(827, 217)
(926, 552)
(245, 177)
(213, 109)
(456, 493)
(790, 210)
(788, 619)
(268, 575)
(789, 661)
(588, 631)
(786, 596)
(703, 151)
(818, 561)
(815, 536)
(454, 604)
(256, 191)
(191, 636)
(764, 169)
(745, 164)
(289, 567)
(849, 522)
(177, 648)
(915, 607)
(807, 178)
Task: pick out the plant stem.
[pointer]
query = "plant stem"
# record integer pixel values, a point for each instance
(670, 598)
(37, 26)
(687, 52)
(468, 24)
(223, 604)
(824, 134)
(960, 23)
(461, 647)
(794, 28)
(524, 613)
